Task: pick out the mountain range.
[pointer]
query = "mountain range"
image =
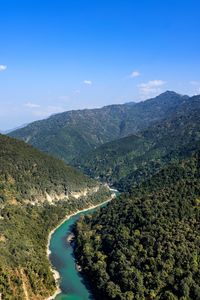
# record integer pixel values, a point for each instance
(127, 161)
(143, 246)
(71, 134)
(121, 144)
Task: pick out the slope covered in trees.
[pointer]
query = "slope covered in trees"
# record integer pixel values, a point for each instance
(130, 160)
(70, 134)
(146, 245)
(36, 192)
(28, 174)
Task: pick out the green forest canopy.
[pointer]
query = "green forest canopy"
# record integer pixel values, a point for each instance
(146, 245)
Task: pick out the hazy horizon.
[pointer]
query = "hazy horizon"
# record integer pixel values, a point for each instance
(64, 55)
(7, 130)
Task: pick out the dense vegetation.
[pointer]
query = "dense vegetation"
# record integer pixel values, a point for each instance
(23, 241)
(27, 215)
(70, 134)
(130, 160)
(146, 245)
(28, 174)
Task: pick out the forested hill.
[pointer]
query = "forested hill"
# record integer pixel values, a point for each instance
(70, 134)
(126, 162)
(146, 245)
(28, 174)
(36, 192)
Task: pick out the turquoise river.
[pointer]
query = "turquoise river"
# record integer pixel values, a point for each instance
(71, 282)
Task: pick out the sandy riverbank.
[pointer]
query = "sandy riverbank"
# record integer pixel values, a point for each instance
(67, 217)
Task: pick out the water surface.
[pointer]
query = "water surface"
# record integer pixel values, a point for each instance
(71, 284)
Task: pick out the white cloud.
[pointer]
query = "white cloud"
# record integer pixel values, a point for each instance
(135, 74)
(43, 111)
(88, 82)
(31, 105)
(3, 68)
(48, 111)
(151, 88)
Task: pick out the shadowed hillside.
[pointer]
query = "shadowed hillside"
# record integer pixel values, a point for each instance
(130, 160)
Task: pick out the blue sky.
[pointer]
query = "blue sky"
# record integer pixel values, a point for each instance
(70, 54)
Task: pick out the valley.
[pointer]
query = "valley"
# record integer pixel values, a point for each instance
(99, 150)
(70, 283)
(150, 152)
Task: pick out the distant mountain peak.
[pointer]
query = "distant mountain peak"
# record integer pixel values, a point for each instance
(168, 92)
(172, 93)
